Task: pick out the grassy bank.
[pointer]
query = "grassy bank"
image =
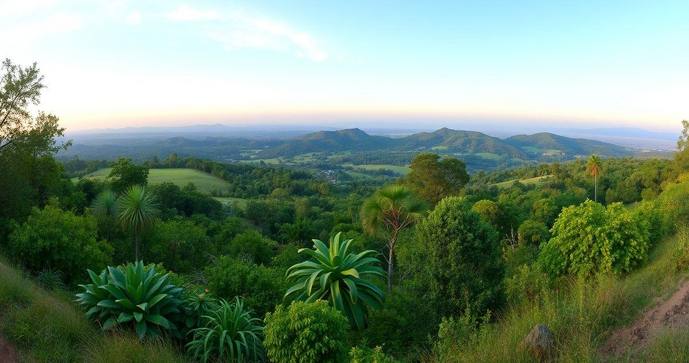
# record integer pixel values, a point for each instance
(583, 315)
(47, 326)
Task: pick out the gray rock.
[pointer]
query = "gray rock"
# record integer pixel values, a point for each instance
(540, 343)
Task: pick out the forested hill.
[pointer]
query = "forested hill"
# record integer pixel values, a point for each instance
(354, 146)
(524, 147)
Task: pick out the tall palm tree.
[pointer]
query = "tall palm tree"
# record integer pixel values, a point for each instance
(138, 210)
(391, 209)
(105, 206)
(594, 167)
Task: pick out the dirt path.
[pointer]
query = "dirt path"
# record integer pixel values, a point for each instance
(672, 314)
(7, 352)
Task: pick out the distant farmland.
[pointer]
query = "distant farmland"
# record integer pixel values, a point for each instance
(181, 177)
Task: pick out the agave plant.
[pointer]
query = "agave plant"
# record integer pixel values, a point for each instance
(133, 295)
(338, 276)
(230, 333)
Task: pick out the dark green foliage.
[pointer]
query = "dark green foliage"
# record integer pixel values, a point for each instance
(230, 333)
(185, 202)
(196, 305)
(459, 263)
(125, 175)
(134, 296)
(261, 287)
(181, 246)
(252, 246)
(590, 239)
(57, 240)
(434, 179)
(369, 355)
(306, 332)
(338, 276)
(533, 232)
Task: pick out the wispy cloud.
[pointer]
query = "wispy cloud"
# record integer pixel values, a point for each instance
(238, 30)
(24, 35)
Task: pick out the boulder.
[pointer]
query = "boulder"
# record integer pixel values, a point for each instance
(540, 343)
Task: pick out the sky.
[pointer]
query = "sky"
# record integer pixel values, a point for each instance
(111, 64)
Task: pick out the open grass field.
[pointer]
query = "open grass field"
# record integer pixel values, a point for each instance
(181, 177)
(529, 181)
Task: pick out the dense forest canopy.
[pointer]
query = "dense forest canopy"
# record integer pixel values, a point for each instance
(414, 267)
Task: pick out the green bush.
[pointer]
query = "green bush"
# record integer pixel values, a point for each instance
(229, 333)
(61, 241)
(261, 287)
(590, 239)
(181, 246)
(460, 260)
(455, 332)
(306, 332)
(369, 355)
(253, 246)
(527, 284)
(133, 295)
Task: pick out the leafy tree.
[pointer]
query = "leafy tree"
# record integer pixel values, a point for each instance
(682, 154)
(52, 239)
(105, 206)
(138, 211)
(262, 287)
(20, 87)
(181, 246)
(594, 167)
(125, 175)
(391, 210)
(459, 265)
(298, 232)
(308, 333)
(434, 179)
(32, 175)
(252, 245)
(590, 239)
(489, 211)
(338, 276)
(533, 232)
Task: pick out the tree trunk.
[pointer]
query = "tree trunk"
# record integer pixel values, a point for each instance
(136, 246)
(595, 188)
(391, 263)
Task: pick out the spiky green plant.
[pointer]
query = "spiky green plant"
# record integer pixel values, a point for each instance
(138, 210)
(133, 295)
(338, 276)
(230, 333)
(51, 279)
(196, 306)
(105, 206)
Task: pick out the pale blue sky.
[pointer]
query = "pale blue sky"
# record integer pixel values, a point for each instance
(128, 63)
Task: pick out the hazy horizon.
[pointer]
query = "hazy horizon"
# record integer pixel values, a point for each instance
(116, 64)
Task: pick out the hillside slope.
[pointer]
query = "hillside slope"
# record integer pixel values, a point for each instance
(44, 326)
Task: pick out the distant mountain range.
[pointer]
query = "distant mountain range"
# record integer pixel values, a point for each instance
(446, 141)
(354, 146)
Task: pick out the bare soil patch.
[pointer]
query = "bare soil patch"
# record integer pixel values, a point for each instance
(670, 315)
